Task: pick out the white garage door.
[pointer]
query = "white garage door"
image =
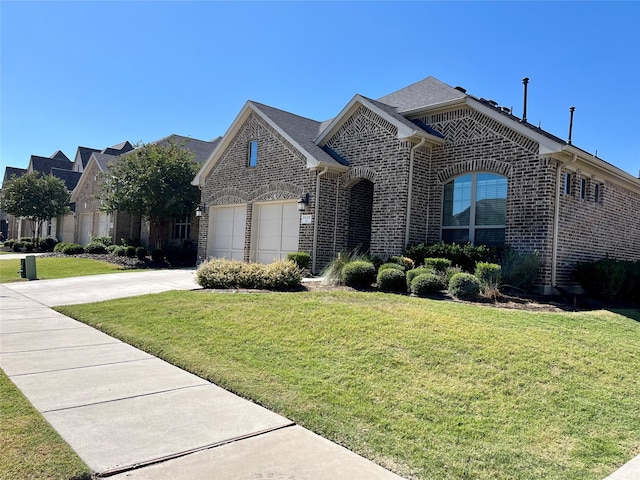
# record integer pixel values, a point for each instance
(103, 225)
(227, 231)
(85, 228)
(278, 227)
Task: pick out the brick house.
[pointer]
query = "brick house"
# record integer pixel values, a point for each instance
(58, 165)
(91, 222)
(423, 164)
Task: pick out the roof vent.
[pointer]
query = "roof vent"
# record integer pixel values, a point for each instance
(493, 103)
(463, 90)
(525, 82)
(571, 109)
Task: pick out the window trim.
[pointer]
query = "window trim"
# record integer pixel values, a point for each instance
(182, 225)
(583, 188)
(472, 226)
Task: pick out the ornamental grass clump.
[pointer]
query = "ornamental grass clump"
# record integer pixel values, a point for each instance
(464, 286)
(426, 284)
(358, 274)
(392, 280)
(490, 275)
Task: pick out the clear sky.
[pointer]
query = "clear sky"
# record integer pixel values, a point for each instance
(98, 73)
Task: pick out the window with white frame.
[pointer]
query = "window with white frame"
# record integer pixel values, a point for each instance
(182, 227)
(474, 209)
(253, 153)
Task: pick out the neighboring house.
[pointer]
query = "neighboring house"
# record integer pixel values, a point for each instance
(58, 165)
(423, 164)
(92, 222)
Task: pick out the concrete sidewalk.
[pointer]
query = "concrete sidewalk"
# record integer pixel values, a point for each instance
(130, 415)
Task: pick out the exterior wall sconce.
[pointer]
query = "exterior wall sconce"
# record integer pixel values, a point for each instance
(303, 202)
(200, 209)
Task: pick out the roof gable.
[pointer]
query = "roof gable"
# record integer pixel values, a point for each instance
(201, 149)
(297, 130)
(69, 177)
(82, 158)
(406, 128)
(118, 149)
(59, 155)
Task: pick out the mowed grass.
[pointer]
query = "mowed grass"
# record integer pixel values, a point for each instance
(54, 267)
(429, 389)
(31, 449)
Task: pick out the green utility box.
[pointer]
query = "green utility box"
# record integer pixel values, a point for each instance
(28, 267)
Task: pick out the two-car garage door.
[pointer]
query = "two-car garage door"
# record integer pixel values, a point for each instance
(275, 231)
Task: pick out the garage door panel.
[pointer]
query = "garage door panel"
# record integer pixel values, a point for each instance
(227, 232)
(278, 231)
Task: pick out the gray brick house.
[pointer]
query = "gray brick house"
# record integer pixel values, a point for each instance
(91, 222)
(423, 164)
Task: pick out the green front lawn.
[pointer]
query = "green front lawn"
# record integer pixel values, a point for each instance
(30, 447)
(429, 389)
(55, 267)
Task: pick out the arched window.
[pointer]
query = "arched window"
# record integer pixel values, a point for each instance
(475, 209)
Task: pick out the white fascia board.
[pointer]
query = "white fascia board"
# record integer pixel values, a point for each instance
(208, 165)
(432, 108)
(603, 169)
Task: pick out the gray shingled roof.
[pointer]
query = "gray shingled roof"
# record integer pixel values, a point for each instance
(45, 164)
(85, 154)
(302, 130)
(59, 155)
(11, 172)
(200, 148)
(118, 149)
(70, 178)
(424, 93)
(103, 160)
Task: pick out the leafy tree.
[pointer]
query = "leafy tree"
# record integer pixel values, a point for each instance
(36, 197)
(154, 182)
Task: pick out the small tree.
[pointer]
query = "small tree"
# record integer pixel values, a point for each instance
(35, 197)
(154, 182)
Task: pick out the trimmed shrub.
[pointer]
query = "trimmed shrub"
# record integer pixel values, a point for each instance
(416, 252)
(106, 241)
(130, 251)
(464, 286)
(28, 246)
(17, 246)
(520, 270)
(392, 280)
(437, 264)
(609, 279)
(118, 250)
(96, 248)
(72, 249)
(426, 283)
(141, 253)
(222, 273)
(112, 248)
(451, 271)
(281, 275)
(385, 266)
(405, 262)
(9, 243)
(157, 255)
(48, 244)
(358, 274)
(27, 239)
(60, 246)
(301, 259)
(411, 274)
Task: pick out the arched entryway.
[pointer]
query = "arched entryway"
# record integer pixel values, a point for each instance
(360, 214)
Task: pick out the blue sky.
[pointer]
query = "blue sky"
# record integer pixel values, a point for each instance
(98, 73)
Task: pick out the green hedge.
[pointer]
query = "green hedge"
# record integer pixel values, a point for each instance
(392, 280)
(609, 279)
(222, 273)
(464, 286)
(358, 274)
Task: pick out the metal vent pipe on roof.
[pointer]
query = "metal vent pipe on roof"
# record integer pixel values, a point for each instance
(571, 109)
(525, 82)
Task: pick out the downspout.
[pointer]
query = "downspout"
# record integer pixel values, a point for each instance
(556, 222)
(315, 219)
(335, 219)
(410, 189)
